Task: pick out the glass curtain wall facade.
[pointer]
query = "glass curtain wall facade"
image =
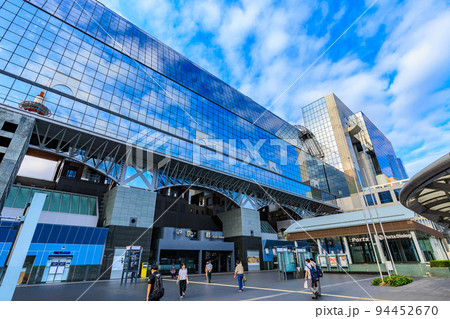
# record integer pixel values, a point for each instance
(388, 163)
(317, 119)
(326, 119)
(106, 76)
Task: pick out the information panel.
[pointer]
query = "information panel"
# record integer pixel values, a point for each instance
(333, 261)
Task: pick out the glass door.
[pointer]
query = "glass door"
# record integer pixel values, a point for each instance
(58, 268)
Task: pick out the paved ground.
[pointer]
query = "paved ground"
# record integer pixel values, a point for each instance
(264, 286)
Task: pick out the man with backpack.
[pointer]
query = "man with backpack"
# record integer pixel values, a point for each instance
(319, 275)
(311, 276)
(155, 288)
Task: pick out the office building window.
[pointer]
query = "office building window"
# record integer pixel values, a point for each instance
(361, 249)
(71, 173)
(385, 197)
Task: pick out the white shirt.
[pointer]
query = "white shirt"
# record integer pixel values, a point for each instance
(183, 274)
(308, 270)
(209, 266)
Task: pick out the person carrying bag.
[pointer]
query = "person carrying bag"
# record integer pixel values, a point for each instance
(239, 272)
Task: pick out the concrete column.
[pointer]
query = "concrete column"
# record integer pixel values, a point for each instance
(200, 261)
(241, 222)
(347, 249)
(416, 244)
(380, 249)
(319, 245)
(17, 144)
(123, 203)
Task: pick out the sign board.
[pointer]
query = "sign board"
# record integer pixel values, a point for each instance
(132, 258)
(117, 263)
(191, 234)
(389, 265)
(366, 239)
(333, 261)
(343, 261)
(61, 253)
(289, 261)
(253, 260)
(322, 261)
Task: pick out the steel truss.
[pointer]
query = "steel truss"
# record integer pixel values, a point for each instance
(113, 157)
(101, 154)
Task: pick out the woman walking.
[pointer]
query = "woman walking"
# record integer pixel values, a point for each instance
(182, 280)
(239, 271)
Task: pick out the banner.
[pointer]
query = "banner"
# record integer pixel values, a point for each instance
(343, 260)
(333, 261)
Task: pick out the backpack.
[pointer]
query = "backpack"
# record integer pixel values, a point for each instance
(319, 271)
(314, 273)
(158, 290)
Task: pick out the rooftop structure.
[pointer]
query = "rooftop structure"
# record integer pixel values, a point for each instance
(428, 192)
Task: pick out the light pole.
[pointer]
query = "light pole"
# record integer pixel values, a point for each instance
(382, 230)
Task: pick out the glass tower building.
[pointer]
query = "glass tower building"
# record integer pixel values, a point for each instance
(352, 143)
(105, 76)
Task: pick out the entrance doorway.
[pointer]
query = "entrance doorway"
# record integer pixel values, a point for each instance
(168, 258)
(221, 260)
(58, 268)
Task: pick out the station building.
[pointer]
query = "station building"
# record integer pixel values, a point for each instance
(148, 149)
(163, 148)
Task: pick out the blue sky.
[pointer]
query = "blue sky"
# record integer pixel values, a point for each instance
(393, 64)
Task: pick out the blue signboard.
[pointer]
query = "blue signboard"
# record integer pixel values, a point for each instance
(289, 261)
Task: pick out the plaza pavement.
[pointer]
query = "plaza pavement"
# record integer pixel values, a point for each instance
(263, 286)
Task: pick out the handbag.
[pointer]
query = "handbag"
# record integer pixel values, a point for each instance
(244, 279)
(305, 285)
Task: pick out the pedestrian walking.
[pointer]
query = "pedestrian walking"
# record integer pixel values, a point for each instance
(173, 271)
(208, 270)
(319, 275)
(182, 280)
(310, 277)
(239, 272)
(155, 288)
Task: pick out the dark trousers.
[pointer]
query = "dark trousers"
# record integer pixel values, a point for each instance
(182, 284)
(150, 298)
(208, 275)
